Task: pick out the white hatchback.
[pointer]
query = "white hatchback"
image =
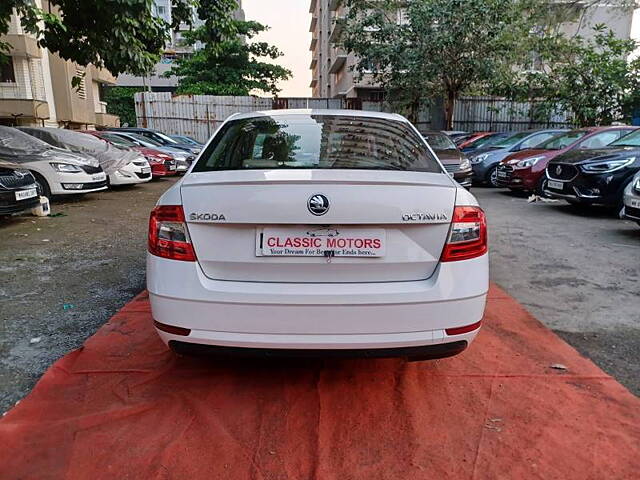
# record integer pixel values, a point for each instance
(318, 232)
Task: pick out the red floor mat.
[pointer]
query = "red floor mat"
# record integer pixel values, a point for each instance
(123, 407)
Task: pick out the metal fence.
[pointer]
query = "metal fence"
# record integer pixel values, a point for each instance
(198, 116)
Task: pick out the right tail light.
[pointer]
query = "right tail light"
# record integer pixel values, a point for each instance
(168, 234)
(468, 235)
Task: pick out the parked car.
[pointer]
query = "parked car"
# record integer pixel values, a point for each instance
(18, 189)
(483, 141)
(406, 274)
(57, 171)
(160, 138)
(186, 140)
(122, 167)
(485, 161)
(526, 170)
(181, 158)
(632, 199)
(162, 164)
(456, 134)
(453, 160)
(595, 176)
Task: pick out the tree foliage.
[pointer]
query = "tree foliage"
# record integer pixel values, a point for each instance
(592, 80)
(120, 102)
(443, 48)
(120, 35)
(232, 66)
(436, 48)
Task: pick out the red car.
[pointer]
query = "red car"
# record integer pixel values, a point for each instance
(525, 170)
(466, 142)
(162, 165)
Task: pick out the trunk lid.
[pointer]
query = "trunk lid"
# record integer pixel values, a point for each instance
(227, 210)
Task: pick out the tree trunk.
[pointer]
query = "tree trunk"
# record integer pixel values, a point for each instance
(414, 110)
(448, 108)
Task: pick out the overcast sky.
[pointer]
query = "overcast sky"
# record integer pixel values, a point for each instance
(289, 21)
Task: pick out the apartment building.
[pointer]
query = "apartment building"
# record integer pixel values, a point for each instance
(36, 90)
(331, 66)
(175, 48)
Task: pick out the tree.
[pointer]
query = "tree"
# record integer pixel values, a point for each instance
(120, 102)
(120, 35)
(592, 80)
(231, 66)
(436, 48)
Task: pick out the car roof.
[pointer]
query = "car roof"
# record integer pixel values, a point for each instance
(313, 111)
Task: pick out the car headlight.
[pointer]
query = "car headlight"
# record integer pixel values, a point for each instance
(607, 166)
(65, 167)
(465, 164)
(636, 185)
(528, 162)
(479, 158)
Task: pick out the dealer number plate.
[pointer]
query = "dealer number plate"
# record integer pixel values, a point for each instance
(555, 185)
(317, 241)
(24, 194)
(635, 204)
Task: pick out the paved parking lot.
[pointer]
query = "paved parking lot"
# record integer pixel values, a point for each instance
(576, 271)
(63, 277)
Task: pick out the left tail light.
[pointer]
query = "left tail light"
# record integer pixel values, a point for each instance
(168, 234)
(468, 235)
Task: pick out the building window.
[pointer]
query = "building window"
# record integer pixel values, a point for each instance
(161, 10)
(7, 73)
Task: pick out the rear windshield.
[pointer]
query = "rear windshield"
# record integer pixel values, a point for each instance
(317, 142)
(561, 141)
(511, 140)
(439, 141)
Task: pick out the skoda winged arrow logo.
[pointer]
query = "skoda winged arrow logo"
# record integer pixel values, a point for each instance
(318, 204)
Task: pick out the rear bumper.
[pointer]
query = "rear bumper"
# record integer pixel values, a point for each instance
(317, 316)
(428, 352)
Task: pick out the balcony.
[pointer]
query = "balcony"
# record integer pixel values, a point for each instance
(314, 62)
(314, 24)
(22, 46)
(313, 83)
(23, 108)
(334, 4)
(338, 62)
(336, 31)
(107, 120)
(312, 7)
(102, 75)
(314, 43)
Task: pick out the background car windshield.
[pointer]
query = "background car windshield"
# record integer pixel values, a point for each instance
(116, 140)
(161, 137)
(511, 141)
(317, 142)
(145, 141)
(562, 141)
(631, 140)
(439, 141)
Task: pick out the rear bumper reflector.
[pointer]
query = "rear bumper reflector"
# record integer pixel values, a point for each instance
(171, 329)
(465, 329)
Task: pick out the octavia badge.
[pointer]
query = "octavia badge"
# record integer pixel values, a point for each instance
(318, 204)
(558, 170)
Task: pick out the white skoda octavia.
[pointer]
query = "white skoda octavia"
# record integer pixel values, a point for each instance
(318, 232)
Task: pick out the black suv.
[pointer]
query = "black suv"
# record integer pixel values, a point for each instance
(18, 191)
(595, 176)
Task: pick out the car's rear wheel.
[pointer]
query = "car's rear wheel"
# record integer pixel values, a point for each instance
(492, 177)
(45, 189)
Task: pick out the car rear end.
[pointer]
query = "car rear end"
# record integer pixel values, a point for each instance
(317, 232)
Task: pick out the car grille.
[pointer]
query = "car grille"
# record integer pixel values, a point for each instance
(632, 212)
(91, 170)
(561, 171)
(504, 174)
(452, 167)
(143, 175)
(13, 180)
